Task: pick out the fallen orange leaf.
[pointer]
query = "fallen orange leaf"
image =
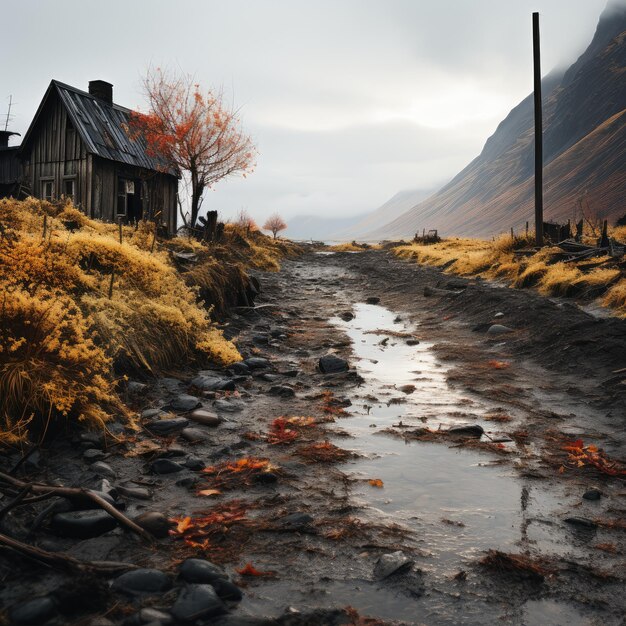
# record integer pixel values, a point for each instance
(249, 570)
(376, 482)
(209, 492)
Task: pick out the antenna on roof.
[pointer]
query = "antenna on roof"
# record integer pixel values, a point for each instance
(6, 123)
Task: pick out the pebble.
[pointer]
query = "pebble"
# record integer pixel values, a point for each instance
(35, 611)
(498, 329)
(372, 300)
(142, 581)
(201, 571)
(583, 522)
(213, 383)
(256, 363)
(184, 402)
(193, 435)
(148, 615)
(197, 602)
(188, 481)
(204, 417)
(150, 413)
(284, 391)
(229, 406)
(412, 342)
(265, 478)
(473, 430)
(139, 493)
(332, 364)
(499, 314)
(166, 466)
(227, 591)
(295, 521)
(155, 523)
(346, 316)
(239, 368)
(592, 494)
(102, 469)
(194, 463)
(135, 388)
(93, 438)
(83, 524)
(167, 426)
(393, 563)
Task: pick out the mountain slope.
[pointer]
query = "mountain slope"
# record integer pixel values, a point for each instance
(584, 150)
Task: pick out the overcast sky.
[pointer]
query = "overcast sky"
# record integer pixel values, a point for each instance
(349, 101)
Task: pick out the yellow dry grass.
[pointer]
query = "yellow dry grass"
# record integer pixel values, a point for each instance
(78, 308)
(496, 260)
(353, 247)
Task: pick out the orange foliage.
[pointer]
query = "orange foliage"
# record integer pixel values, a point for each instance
(581, 455)
(499, 365)
(376, 482)
(324, 452)
(285, 429)
(275, 224)
(231, 475)
(191, 131)
(331, 405)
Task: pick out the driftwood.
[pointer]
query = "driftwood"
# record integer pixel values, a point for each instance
(73, 493)
(64, 561)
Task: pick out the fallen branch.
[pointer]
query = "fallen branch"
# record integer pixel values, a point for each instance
(74, 493)
(15, 502)
(64, 561)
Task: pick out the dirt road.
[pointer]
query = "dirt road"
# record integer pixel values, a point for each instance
(461, 471)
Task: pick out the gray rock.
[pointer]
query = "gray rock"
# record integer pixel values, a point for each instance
(150, 413)
(592, 494)
(295, 522)
(187, 482)
(412, 342)
(227, 591)
(581, 522)
(201, 571)
(256, 363)
(35, 611)
(471, 430)
(372, 300)
(172, 385)
(394, 563)
(135, 388)
(139, 493)
(499, 315)
(195, 464)
(193, 435)
(93, 438)
(142, 581)
(332, 364)
(213, 383)
(167, 426)
(166, 466)
(229, 406)
(148, 614)
(284, 391)
(184, 402)
(346, 316)
(197, 602)
(102, 469)
(155, 523)
(83, 524)
(498, 329)
(204, 417)
(239, 368)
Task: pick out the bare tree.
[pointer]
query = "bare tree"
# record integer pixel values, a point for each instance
(275, 224)
(192, 132)
(245, 223)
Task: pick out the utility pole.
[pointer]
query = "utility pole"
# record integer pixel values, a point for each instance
(538, 134)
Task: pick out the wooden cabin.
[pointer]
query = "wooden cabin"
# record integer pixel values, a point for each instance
(77, 147)
(10, 167)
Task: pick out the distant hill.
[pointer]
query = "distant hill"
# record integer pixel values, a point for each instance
(319, 228)
(584, 151)
(393, 208)
(346, 228)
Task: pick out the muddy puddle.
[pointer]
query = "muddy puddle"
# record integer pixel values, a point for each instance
(457, 503)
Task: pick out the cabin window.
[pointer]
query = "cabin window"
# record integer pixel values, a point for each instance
(47, 190)
(69, 188)
(121, 196)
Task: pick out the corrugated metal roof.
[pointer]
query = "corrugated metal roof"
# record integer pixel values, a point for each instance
(101, 126)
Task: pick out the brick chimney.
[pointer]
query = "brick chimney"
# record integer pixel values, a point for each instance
(101, 90)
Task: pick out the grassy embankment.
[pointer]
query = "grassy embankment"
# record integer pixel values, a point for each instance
(598, 278)
(79, 311)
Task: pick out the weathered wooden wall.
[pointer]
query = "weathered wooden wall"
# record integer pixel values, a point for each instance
(57, 155)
